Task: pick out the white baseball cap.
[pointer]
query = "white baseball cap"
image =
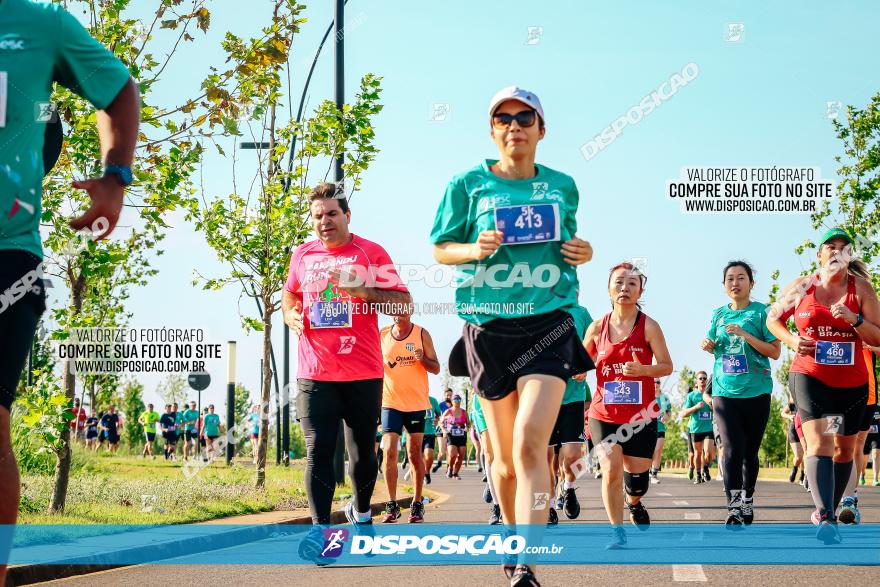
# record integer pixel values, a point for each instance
(518, 94)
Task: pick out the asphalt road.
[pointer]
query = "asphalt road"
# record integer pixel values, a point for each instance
(674, 500)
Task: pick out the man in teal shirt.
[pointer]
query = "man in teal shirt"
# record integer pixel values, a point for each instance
(40, 43)
(212, 429)
(429, 440)
(699, 427)
(190, 418)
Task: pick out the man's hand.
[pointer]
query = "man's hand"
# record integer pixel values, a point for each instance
(708, 345)
(294, 318)
(106, 194)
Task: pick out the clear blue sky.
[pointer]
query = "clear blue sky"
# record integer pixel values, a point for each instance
(758, 102)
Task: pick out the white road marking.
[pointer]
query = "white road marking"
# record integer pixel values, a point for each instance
(692, 516)
(681, 503)
(662, 494)
(690, 573)
(692, 537)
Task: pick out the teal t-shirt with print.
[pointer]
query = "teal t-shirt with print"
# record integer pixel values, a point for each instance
(740, 371)
(701, 420)
(663, 406)
(477, 416)
(578, 391)
(430, 414)
(212, 425)
(524, 279)
(41, 43)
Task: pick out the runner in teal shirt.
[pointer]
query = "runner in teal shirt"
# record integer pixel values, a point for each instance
(740, 371)
(469, 207)
(742, 346)
(42, 43)
(701, 418)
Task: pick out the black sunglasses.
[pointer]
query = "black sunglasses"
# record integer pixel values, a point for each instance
(524, 119)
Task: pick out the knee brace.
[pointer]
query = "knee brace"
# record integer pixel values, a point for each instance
(636, 484)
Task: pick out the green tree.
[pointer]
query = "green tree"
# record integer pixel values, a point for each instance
(242, 407)
(99, 275)
(254, 235)
(132, 407)
(675, 447)
(855, 207)
(173, 389)
(773, 446)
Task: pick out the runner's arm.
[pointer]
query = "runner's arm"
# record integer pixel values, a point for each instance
(429, 358)
(117, 133)
(291, 310)
(452, 253)
(591, 339)
(868, 331)
(770, 350)
(662, 361)
(781, 310)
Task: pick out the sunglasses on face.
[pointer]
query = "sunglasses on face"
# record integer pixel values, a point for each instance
(701, 378)
(524, 119)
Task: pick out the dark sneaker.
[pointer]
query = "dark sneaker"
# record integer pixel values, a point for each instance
(793, 475)
(428, 478)
(748, 511)
(448, 474)
(638, 515)
(487, 494)
(734, 519)
(392, 512)
(523, 577)
(570, 504)
(436, 466)
(417, 512)
(849, 511)
(495, 518)
(554, 518)
(618, 538)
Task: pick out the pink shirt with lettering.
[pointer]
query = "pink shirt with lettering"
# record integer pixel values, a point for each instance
(347, 348)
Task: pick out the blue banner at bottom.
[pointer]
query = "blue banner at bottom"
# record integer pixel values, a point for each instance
(435, 544)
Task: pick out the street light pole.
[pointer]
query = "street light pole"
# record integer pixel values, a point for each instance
(230, 403)
(339, 82)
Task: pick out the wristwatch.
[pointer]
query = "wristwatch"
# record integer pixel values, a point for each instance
(122, 173)
(859, 321)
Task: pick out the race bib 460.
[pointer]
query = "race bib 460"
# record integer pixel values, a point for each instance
(834, 353)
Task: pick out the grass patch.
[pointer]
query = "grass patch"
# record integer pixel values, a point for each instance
(132, 490)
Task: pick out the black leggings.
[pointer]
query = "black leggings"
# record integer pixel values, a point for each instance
(741, 423)
(20, 310)
(321, 406)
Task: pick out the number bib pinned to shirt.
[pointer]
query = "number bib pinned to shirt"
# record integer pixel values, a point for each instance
(456, 431)
(734, 364)
(332, 314)
(535, 223)
(704, 415)
(622, 392)
(834, 353)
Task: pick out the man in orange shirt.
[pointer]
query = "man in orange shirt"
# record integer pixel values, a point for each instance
(408, 354)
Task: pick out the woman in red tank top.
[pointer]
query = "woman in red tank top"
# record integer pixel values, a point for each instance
(834, 312)
(622, 416)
